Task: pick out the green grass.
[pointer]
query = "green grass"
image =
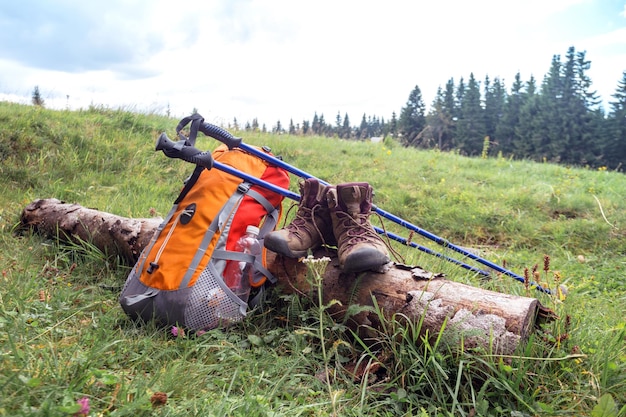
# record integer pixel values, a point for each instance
(63, 335)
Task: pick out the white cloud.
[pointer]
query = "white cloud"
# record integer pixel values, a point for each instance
(284, 59)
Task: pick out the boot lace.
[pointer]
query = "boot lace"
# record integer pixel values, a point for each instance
(305, 218)
(356, 229)
(359, 230)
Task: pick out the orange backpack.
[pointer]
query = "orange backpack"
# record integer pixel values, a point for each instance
(178, 277)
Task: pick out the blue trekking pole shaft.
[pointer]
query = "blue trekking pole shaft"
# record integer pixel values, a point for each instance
(256, 181)
(294, 196)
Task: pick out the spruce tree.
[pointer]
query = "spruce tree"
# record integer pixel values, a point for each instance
(459, 95)
(526, 129)
(393, 125)
(547, 130)
(440, 122)
(615, 144)
(576, 143)
(363, 128)
(451, 110)
(345, 128)
(37, 99)
(315, 125)
(470, 132)
(495, 99)
(509, 122)
(412, 117)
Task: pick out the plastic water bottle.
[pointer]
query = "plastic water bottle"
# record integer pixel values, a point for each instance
(238, 275)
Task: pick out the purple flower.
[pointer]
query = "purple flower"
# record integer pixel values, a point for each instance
(84, 407)
(178, 332)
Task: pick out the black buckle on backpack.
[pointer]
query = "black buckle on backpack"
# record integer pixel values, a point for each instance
(244, 187)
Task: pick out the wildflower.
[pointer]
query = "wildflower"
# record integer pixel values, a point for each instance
(526, 279)
(311, 260)
(546, 263)
(176, 332)
(84, 407)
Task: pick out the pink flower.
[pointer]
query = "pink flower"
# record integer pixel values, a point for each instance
(84, 407)
(178, 332)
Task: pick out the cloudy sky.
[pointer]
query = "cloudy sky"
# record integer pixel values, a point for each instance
(281, 59)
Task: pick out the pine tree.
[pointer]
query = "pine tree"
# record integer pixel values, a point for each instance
(509, 122)
(546, 128)
(362, 132)
(471, 125)
(495, 99)
(450, 108)
(459, 96)
(615, 145)
(529, 129)
(393, 125)
(412, 117)
(315, 125)
(37, 99)
(375, 127)
(345, 128)
(559, 122)
(440, 122)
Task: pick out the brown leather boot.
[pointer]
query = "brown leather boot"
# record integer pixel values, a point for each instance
(359, 246)
(310, 228)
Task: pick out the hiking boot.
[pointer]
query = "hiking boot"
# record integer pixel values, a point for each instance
(310, 228)
(359, 246)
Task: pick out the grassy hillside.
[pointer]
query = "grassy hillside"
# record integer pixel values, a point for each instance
(63, 336)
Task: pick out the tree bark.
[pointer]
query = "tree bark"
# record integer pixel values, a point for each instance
(472, 316)
(113, 235)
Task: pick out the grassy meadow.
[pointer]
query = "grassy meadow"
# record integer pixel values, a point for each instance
(65, 342)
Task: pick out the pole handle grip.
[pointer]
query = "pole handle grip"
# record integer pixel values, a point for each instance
(183, 151)
(220, 134)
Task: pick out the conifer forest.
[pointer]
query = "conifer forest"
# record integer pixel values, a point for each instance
(558, 119)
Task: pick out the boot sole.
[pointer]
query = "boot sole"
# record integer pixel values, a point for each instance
(365, 260)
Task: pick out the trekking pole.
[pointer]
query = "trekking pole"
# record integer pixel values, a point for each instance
(200, 158)
(231, 141)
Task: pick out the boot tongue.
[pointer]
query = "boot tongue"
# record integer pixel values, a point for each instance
(351, 198)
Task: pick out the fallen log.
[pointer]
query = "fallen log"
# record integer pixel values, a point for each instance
(482, 318)
(113, 235)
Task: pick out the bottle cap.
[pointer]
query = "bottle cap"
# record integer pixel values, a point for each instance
(252, 230)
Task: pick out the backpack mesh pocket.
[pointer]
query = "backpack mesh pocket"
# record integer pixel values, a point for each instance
(212, 304)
